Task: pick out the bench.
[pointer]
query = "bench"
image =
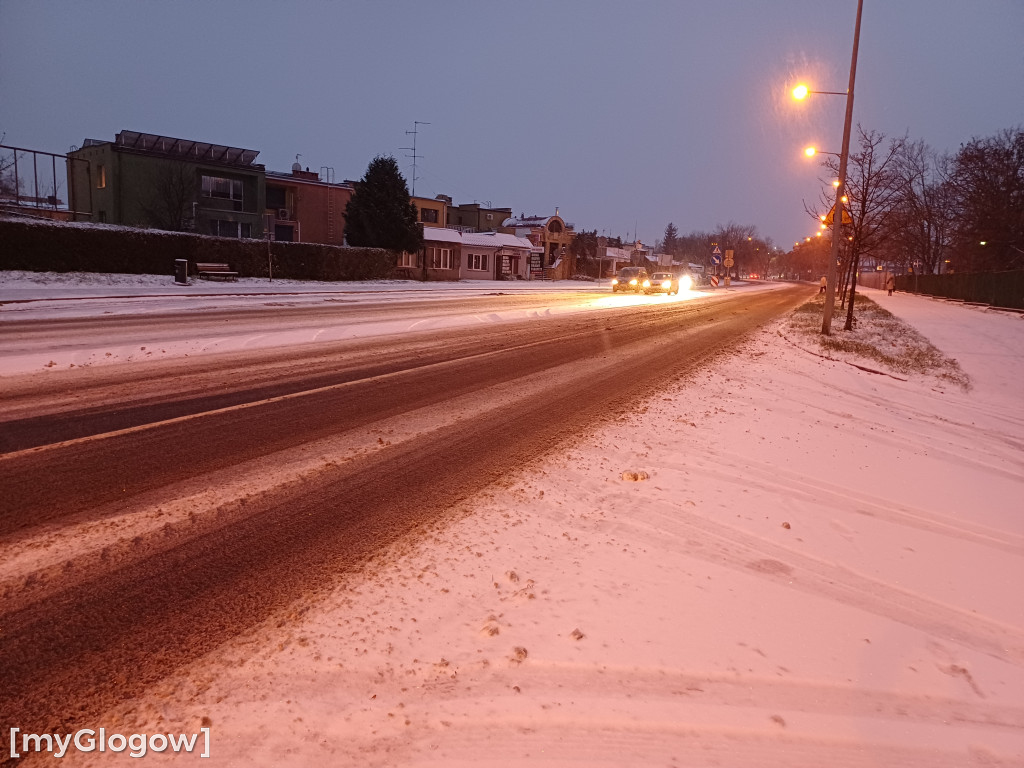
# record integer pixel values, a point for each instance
(211, 270)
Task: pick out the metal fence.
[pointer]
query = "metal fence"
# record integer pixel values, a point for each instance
(30, 179)
(1000, 289)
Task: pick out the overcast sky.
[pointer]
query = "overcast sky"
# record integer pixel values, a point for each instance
(625, 114)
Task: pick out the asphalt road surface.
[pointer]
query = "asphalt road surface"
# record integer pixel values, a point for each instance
(255, 478)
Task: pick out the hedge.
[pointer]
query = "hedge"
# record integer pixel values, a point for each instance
(44, 246)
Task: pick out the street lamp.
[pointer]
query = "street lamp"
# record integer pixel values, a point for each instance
(800, 93)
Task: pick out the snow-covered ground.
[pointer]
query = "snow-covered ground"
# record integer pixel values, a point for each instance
(784, 561)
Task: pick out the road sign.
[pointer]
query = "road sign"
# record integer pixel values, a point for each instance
(714, 281)
(831, 215)
(728, 258)
(716, 257)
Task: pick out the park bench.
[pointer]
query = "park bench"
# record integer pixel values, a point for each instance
(211, 270)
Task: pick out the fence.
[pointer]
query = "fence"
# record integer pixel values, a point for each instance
(30, 179)
(1000, 289)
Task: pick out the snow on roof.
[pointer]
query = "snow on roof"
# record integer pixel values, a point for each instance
(495, 240)
(441, 235)
(527, 221)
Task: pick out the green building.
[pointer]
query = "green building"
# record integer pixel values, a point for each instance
(144, 180)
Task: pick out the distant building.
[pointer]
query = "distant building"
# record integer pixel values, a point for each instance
(145, 180)
(553, 237)
(473, 217)
(303, 208)
(448, 254)
(432, 211)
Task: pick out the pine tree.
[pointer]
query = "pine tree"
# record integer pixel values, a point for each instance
(670, 242)
(380, 213)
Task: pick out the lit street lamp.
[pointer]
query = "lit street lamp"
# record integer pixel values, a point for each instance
(800, 93)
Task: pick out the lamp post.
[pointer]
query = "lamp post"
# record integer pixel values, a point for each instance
(801, 92)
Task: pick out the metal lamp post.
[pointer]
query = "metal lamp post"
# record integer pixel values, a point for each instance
(801, 92)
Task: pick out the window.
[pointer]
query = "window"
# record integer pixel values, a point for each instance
(490, 216)
(440, 258)
(222, 228)
(428, 215)
(408, 260)
(476, 261)
(101, 177)
(224, 189)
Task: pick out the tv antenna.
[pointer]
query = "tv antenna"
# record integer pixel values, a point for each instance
(415, 129)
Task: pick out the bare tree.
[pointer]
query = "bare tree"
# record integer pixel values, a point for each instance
(873, 187)
(173, 192)
(987, 180)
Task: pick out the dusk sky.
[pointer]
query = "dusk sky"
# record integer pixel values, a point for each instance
(625, 115)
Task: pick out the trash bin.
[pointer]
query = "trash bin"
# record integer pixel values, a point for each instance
(181, 271)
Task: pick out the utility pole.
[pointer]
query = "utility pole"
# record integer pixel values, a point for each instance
(415, 129)
(837, 216)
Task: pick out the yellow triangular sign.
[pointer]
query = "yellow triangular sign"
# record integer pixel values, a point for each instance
(847, 219)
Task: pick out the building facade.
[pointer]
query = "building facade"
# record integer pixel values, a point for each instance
(303, 208)
(145, 180)
(432, 211)
(472, 217)
(553, 236)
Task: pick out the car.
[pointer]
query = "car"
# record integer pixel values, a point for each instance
(668, 282)
(633, 279)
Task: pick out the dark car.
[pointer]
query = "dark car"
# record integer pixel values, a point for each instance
(633, 279)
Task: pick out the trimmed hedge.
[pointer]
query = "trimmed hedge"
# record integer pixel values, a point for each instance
(44, 246)
(999, 289)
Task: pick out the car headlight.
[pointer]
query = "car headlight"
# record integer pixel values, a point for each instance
(647, 283)
(615, 281)
(685, 283)
(632, 282)
(666, 283)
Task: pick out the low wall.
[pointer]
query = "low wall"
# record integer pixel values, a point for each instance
(42, 246)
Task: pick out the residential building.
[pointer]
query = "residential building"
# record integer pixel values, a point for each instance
(448, 254)
(553, 236)
(432, 211)
(495, 256)
(145, 180)
(472, 217)
(302, 207)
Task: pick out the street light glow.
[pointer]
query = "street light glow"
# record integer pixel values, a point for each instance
(810, 151)
(800, 92)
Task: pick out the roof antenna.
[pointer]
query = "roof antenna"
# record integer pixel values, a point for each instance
(415, 129)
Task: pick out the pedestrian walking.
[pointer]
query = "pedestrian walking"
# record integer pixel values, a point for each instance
(824, 282)
(890, 284)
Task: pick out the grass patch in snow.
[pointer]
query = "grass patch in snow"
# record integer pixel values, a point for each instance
(878, 338)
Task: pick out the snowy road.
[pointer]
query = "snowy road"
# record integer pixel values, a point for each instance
(156, 509)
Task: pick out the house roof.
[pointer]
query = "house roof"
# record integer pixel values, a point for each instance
(441, 235)
(478, 239)
(527, 221)
(186, 149)
(495, 240)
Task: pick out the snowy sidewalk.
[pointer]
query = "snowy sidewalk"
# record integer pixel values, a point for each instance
(783, 561)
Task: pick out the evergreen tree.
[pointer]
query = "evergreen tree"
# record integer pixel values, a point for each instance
(380, 213)
(670, 242)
